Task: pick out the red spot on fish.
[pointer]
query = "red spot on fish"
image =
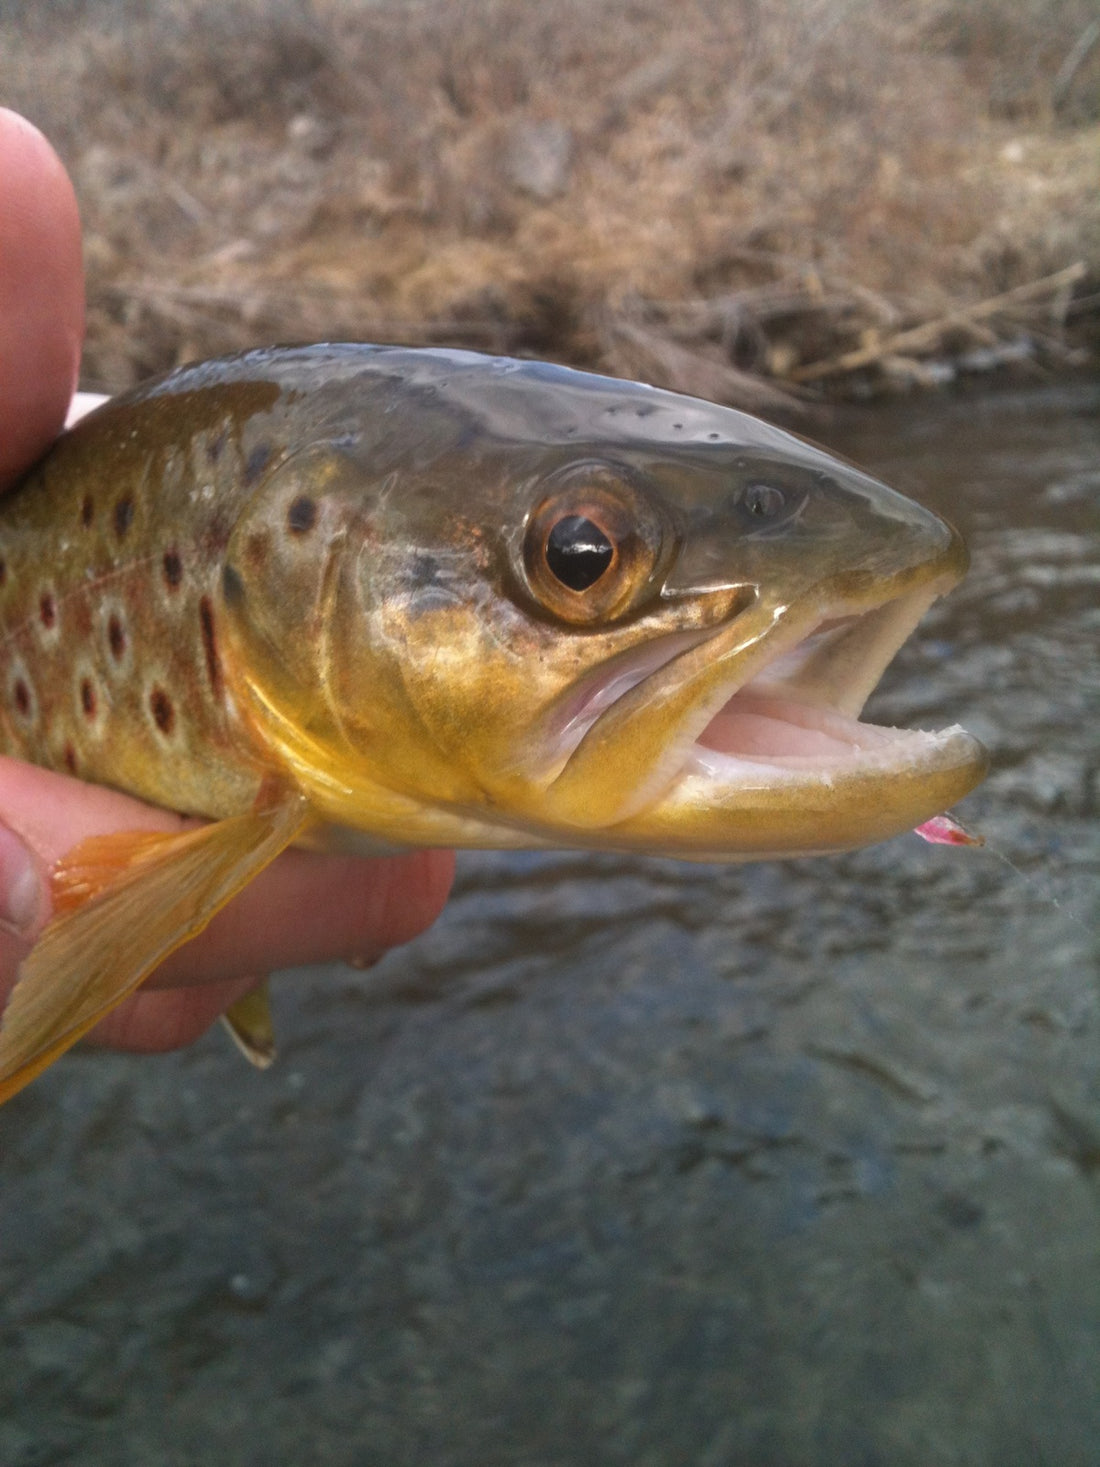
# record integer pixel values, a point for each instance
(3, 570)
(164, 715)
(173, 569)
(70, 758)
(210, 645)
(22, 697)
(87, 697)
(87, 511)
(116, 638)
(47, 610)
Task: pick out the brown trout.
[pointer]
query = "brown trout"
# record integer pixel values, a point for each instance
(367, 597)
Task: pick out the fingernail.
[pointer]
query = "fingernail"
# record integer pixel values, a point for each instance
(20, 885)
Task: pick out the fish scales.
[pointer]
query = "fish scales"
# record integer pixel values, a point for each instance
(365, 597)
(109, 580)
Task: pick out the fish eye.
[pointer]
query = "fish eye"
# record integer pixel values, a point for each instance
(593, 546)
(764, 501)
(578, 552)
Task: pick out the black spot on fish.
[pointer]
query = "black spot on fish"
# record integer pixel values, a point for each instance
(210, 645)
(116, 637)
(423, 571)
(302, 515)
(22, 695)
(47, 610)
(256, 462)
(69, 757)
(232, 587)
(215, 446)
(3, 570)
(87, 697)
(164, 715)
(173, 569)
(87, 511)
(124, 516)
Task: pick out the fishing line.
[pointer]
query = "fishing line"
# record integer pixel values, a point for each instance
(945, 830)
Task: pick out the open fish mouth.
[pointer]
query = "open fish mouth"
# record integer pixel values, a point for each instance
(767, 717)
(798, 714)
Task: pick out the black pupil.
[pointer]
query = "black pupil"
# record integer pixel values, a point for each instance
(578, 552)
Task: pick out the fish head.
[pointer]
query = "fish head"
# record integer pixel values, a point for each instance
(575, 611)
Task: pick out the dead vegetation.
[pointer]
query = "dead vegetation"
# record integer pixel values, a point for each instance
(753, 202)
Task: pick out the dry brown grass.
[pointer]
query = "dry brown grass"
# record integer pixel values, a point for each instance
(720, 196)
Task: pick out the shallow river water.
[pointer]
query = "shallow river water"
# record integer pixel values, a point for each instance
(635, 1162)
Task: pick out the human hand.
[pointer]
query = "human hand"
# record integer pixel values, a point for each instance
(305, 908)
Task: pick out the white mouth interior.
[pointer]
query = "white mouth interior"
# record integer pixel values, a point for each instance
(798, 715)
(775, 728)
(758, 738)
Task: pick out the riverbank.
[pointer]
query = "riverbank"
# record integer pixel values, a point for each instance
(764, 205)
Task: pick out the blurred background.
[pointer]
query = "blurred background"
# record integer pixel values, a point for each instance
(729, 200)
(626, 1161)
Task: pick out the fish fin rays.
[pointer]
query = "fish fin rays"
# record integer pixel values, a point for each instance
(101, 862)
(124, 903)
(251, 1028)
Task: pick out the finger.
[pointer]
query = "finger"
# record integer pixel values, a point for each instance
(41, 294)
(308, 908)
(153, 1021)
(305, 908)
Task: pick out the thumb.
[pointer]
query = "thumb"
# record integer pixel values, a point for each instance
(41, 293)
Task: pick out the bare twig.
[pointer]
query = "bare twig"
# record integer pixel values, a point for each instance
(643, 351)
(1078, 55)
(930, 332)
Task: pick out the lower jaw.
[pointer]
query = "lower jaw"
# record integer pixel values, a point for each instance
(727, 807)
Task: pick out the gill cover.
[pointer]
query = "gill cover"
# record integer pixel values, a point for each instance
(279, 588)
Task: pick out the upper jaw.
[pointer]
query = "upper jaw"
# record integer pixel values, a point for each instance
(837, 663)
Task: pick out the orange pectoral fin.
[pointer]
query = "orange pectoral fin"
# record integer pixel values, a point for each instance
(123, 903)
